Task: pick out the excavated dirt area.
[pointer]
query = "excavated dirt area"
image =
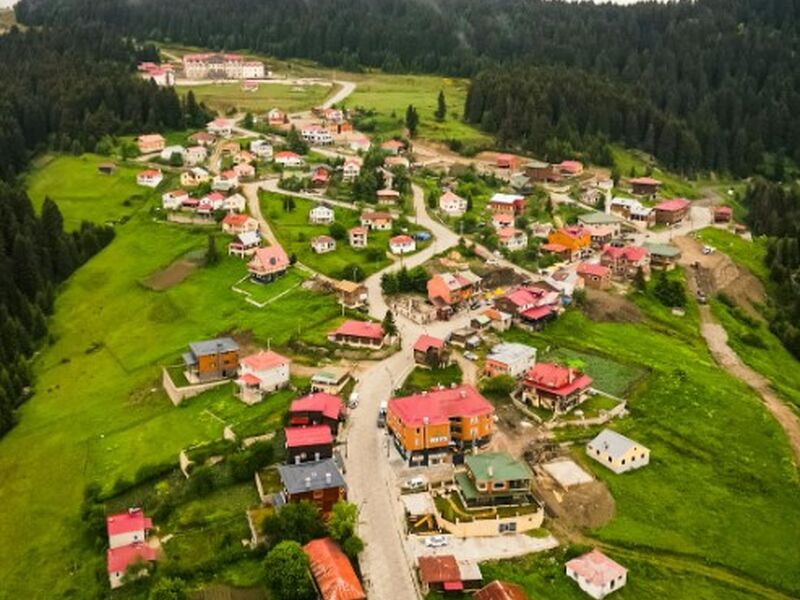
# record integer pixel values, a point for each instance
(603, 306)
(588, 506)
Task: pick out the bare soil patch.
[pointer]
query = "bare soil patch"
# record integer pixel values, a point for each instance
(604, 306)
(173, 274)
(586, 506)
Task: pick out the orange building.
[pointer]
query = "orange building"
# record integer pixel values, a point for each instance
(437, 426)
(574, 239)
(212, 359)
(452, 288)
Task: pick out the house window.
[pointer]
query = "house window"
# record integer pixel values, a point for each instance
(623, 461)
(642, 454)
(498, 485)
(609, 459)
(598, 452)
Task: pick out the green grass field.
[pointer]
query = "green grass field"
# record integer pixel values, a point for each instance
(748, 254)
(720, 482)
(99, 412)
(421, 379)
(224, 97)
(82, 192)
(672, 185)
(390, 95)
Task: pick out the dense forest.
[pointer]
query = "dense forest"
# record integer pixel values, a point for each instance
(706, 84)
(775, 211)
(62, 90)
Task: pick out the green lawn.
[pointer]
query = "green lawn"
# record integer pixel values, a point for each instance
(99, 413)
(223, 97)
(720, 483)
(748, 254)
(421, 379)
(82, 192)
(672, 185)
(390, 95)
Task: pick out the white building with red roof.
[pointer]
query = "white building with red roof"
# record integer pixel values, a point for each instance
(225, 181)
(323, 244)
(119, 560)
(317, 135)
(127, 527)
(625, 261)
(268, 264)
(220, 127)
(238, 223)
(162, 75)
(393, 147)
(512, 239)
(452, 204)
(174, 199)
(402, 244)
(261, 373)
(360, 144)
(289, 159)
(596, 574)
(570, 168)
(149, 178)
(555, 387)
(358, 334)
(358, 237)
(351, 169)
(221, 66)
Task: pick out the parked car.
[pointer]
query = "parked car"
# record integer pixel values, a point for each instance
(708, 250)
(415, 483)
(381, 420)
(436, 541)
(470, 356)
(352, 402)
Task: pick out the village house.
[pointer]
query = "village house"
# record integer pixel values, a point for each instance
(194, 177)
(359, 334)
(430, 427)
(402, 244)
(626, 261)
(316, 135)
(262, 149)
(330, 381)
(506, 161)
(465, 337)
(320, 176)
(452, 204)
(244, 157)
(645, 186)
(663, 256)
(244, 244)
(350, 294)
(499, 320)
(149, 178)
(290, 160)
(244, 171)
(595, 276)
(320, 483)
(529, 304)
(202, 138)
(509, 358)
(230, 148)
(451, 289)
(575, 239)
(393, 147)
(221, 66)
(633, 210)
(555, 387)
(597, 191)
(261, 373)
(317, 409)
(601, 235)
(502, 220)
(161, 75)
(128, 527)
(322, 244)
(596, 574)
(225, 181)
(268, 264)
(540, 172)
(237, 223)
(360, 144)
(234, 203)
(119, 561)
(308, 444)
(430, 352)
(570, 168)
(376, 221)
(220, 127)
(150, 143)
(275, 117)
(500, 590)
(321, 215)
(494, 479)
(512, 239)
(672, 211)
(602, 219)
(194, 155)
(444, 574)
(617, 452)
(358, 237)
(211, 360)
(173, 200)
(168, 152)
(334, 577)
(397, 161)
(351, 169)
(507, 203)
(722, 214)
(388, 196)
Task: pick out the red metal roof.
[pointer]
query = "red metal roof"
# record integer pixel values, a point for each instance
(537, 312)
(271, 258)
(596, 567)
(401, 239)
(500, 590)
(364, 329)
(557, 379)
(235, 219)
(593, 269)
(266, 359)
(126, 522)
(524, 296)
(629, 253)
(427, 341)
(723, 210)
(645, 181)
(250, 379)
(572, 166)
(439, 569)
(316, 435)
(118, 559)
(327, 404)
(558, 248)
(439, 406)
(149, 173)
(332, 571)
(673, 205)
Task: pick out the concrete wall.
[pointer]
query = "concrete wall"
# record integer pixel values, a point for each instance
(491, 527)
(179, 394)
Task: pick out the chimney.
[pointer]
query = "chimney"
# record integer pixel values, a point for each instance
(570, 375)
(328, 478)
(308, 482)
(462, 394)
(490, 471)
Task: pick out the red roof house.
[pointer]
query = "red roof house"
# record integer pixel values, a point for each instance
(500, 590)
(596, 574)
(118, 560)
(594, 275)
(555, 387)
(723, 214)
(506, 161)
(268, 264)
(439, 573)
(317, 409)
(127, 527)
(570, 167)
(333, 574)
(430, 351)
(645, 186)
(307, 444)
(672, 211)
(625, 261)
(358, 333)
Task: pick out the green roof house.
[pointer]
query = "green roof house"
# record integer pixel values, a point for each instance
(494, 479)
(663, 256)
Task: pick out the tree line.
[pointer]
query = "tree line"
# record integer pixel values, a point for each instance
(708, 84)
(774, 210)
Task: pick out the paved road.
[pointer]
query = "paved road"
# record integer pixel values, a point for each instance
(345, 89)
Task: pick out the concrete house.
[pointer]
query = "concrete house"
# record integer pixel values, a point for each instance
(149, 178)
(322, 244)
(237, 223)
(168, 152)
(225, 181)
(509, 358)
(376, 221)
(632, 210)
(262, 149)
(507, 203)
(129, 527)
(626, 261)
(289, 159)
(149, 143)
(596, 574)
(194, 155)
(430, 351)
(244, 244)
(211, 360)
(594, 276)
(174, 200)
(358, 237)
(220, 127)
(321, 215)
(359, 334)
(494, 479)
(452, 204)
(512, 239)
(555, 387)
(320, 483)
(351, 169)
(308, 444)
(261, 373)
(402, 244)
(617, 452)
(119, 560)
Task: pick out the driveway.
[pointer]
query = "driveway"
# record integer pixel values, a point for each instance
(484, 548)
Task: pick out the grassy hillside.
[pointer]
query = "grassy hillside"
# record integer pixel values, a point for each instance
(224, 97)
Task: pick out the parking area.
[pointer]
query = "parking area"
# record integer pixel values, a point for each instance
(483, 548)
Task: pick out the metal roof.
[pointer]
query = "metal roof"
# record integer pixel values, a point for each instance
(307, 477)
(614, 444)
(206, 347)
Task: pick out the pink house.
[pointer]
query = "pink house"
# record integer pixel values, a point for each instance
(268, 264)
(596, 574)
(359, 334)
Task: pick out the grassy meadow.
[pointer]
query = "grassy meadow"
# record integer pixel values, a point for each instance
(99, 412)
(225, 97)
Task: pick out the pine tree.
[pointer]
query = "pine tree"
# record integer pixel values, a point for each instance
(212, 254)
(389, 326)
(412, 120)
(441, 107)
